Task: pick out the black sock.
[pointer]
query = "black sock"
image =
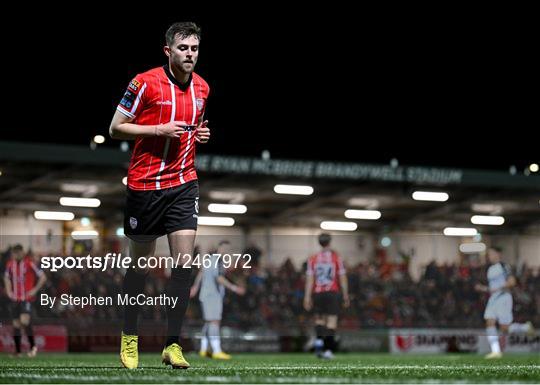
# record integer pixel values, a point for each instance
(133, 285)
(177, 287)
(329, 340)
(319, 331)
(17, 339)
(30, 335)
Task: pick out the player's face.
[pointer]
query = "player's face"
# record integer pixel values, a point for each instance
(493, 256)
(17, 254)
(225, 249)
(183, 53)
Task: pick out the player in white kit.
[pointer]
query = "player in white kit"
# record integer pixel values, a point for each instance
(499, 306)
(212, 283)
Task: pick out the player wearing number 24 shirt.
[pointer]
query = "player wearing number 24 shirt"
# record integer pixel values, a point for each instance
(325, 278)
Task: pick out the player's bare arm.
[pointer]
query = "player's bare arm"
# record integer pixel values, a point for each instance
(344, 285)
(196, 285)
(122, 128)
(307, 293)
(231, 286)
(481, 288)
(9, 291)
(510, 282)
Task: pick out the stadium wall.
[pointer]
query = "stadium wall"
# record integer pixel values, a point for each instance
(280, 243)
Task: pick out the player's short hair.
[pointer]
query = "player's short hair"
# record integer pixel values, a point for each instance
(325, 239)
(184, 29)
(497, 248)
(17, 247)
(223, 242)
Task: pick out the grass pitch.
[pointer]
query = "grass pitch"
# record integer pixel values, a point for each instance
(273, 368)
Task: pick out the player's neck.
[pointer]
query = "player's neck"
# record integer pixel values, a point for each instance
(182, 77)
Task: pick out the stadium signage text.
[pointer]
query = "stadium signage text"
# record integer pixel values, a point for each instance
(446, 340)
(328, 170)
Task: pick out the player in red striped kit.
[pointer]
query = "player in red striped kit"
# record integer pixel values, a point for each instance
(162, 110)
(325, 277)
(22, 280)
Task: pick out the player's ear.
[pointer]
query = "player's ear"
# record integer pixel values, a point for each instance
(167, 51)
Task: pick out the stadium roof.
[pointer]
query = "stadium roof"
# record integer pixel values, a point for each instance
(34, 177)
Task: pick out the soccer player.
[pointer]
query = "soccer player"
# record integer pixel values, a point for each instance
(212, 282)
(499, 305)
(162, 110)
(22, 280)
(325, 276)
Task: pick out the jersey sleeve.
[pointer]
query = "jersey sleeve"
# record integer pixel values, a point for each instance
(134, 98)
(35, 268)
(507, 270)
(220, 268)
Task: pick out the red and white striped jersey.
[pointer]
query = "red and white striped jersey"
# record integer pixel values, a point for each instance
(325, 266)
(23, 276)
(156, 97)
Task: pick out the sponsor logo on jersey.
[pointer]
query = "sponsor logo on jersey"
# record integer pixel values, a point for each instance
(134, 85)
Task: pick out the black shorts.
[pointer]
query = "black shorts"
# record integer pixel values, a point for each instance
(328, 303)
(16, 308)
(150, 214)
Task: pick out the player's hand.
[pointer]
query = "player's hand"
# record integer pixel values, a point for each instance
(307, 303)
(32, 292)
(11, 296)
(202, 134)
(240, 290)
(481, 288)
(193, 292)
(171, 130)
(346, 302)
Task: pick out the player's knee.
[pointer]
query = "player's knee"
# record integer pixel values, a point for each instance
(25, 319)
(490, 322)
(331, 322)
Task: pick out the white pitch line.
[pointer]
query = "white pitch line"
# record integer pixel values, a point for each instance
(309, 367)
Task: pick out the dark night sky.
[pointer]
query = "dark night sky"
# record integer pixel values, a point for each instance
(444, 92)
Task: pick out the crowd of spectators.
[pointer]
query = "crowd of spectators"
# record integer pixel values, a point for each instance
(383, 295)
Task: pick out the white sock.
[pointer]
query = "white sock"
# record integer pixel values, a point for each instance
(493, 339)
(518, 328)
(204, 344)
(204, 338)
(215, 341)
(214, 337)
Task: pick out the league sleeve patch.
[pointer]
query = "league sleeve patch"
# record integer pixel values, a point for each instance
(128, 99)
(134, 85)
